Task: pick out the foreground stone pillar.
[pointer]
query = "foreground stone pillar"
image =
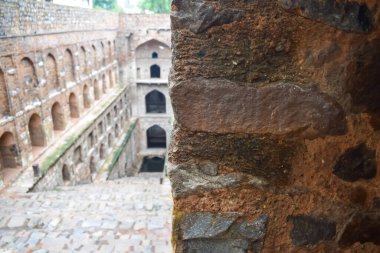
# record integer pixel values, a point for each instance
(277, 108)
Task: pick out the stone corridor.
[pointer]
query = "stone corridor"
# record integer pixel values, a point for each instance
(127, 215)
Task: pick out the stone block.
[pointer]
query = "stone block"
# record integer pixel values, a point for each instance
(279, 108)
(310, 230)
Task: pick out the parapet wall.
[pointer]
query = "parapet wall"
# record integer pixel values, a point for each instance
(21, 18)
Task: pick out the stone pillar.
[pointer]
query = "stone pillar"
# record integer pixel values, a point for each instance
(277, 108)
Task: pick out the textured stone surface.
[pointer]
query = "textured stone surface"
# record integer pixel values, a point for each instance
(249, 154)
(278, 108)
(279, 95)
(356, 163)
(362, 227)
(216, 246)
(200, 15)
(346, 16)
(224, 232)
(309, 230)
(188, 178)
(206, 225)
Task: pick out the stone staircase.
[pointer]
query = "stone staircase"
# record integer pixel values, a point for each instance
(127, 215)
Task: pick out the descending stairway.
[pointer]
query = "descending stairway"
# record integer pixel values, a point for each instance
(127, 215)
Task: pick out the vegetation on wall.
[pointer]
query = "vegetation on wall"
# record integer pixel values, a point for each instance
(156, 6)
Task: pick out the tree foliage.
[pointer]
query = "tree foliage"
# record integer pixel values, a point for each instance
(110, 5)
(156, 6)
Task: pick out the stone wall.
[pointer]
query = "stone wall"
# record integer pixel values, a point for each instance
(126, 162)
(20, 18)
(277, 117)
(56, 63)
(89, 148)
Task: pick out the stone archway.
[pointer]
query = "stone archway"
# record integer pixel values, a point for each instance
(8, 151)
(102, 151)
(96, 90)
(66, 174)
(58, 117)
(155, 71)
(155, 102)
(36, 132)
(86, 97)
(74, 106)
(156, 137)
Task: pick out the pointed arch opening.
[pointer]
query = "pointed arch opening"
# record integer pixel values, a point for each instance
(96, 90)
(104, 84)
(156, 137)
(82, 60)
(66, 174)
(86, 97)
(4, 109)
(110, 140)
(8, 151)
(58, 117)
(94, 56)
(154, 55)
(52, 73)
(155, 71)
(155, 102)
(69, 66)
(92, 165)
(110, 79)
(102, 151)
(152, 164)
(36, 132)
(74, 106)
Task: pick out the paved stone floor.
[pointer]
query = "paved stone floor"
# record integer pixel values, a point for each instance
(127, 215)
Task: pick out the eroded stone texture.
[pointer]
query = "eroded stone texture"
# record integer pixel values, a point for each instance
(356, 163)
(309, 230)
(200, 15)
(215, 233)
(346, 16)
(278, 96)
(189, 178)
(257, 156)
(278, 108)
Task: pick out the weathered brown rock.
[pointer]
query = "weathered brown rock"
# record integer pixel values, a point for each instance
(222, 106)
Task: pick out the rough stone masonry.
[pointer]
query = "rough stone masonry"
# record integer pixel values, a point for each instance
(277, 107)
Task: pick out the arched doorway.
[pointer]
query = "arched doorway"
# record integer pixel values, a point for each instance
(65, 174)
(82, 60)
(110, 140)
(156, 137)
(69, 66)
(92, 165)
(104, 84)
(110, 79)
(58, 117)
(52, 73)
(8, 151)
(155, 71)
(116, 130)
(86, 97)
(96, 90)
(152, 164)
(74, 106)
(36, 132)
(102, 151)
(4, 109)
(155, 102)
